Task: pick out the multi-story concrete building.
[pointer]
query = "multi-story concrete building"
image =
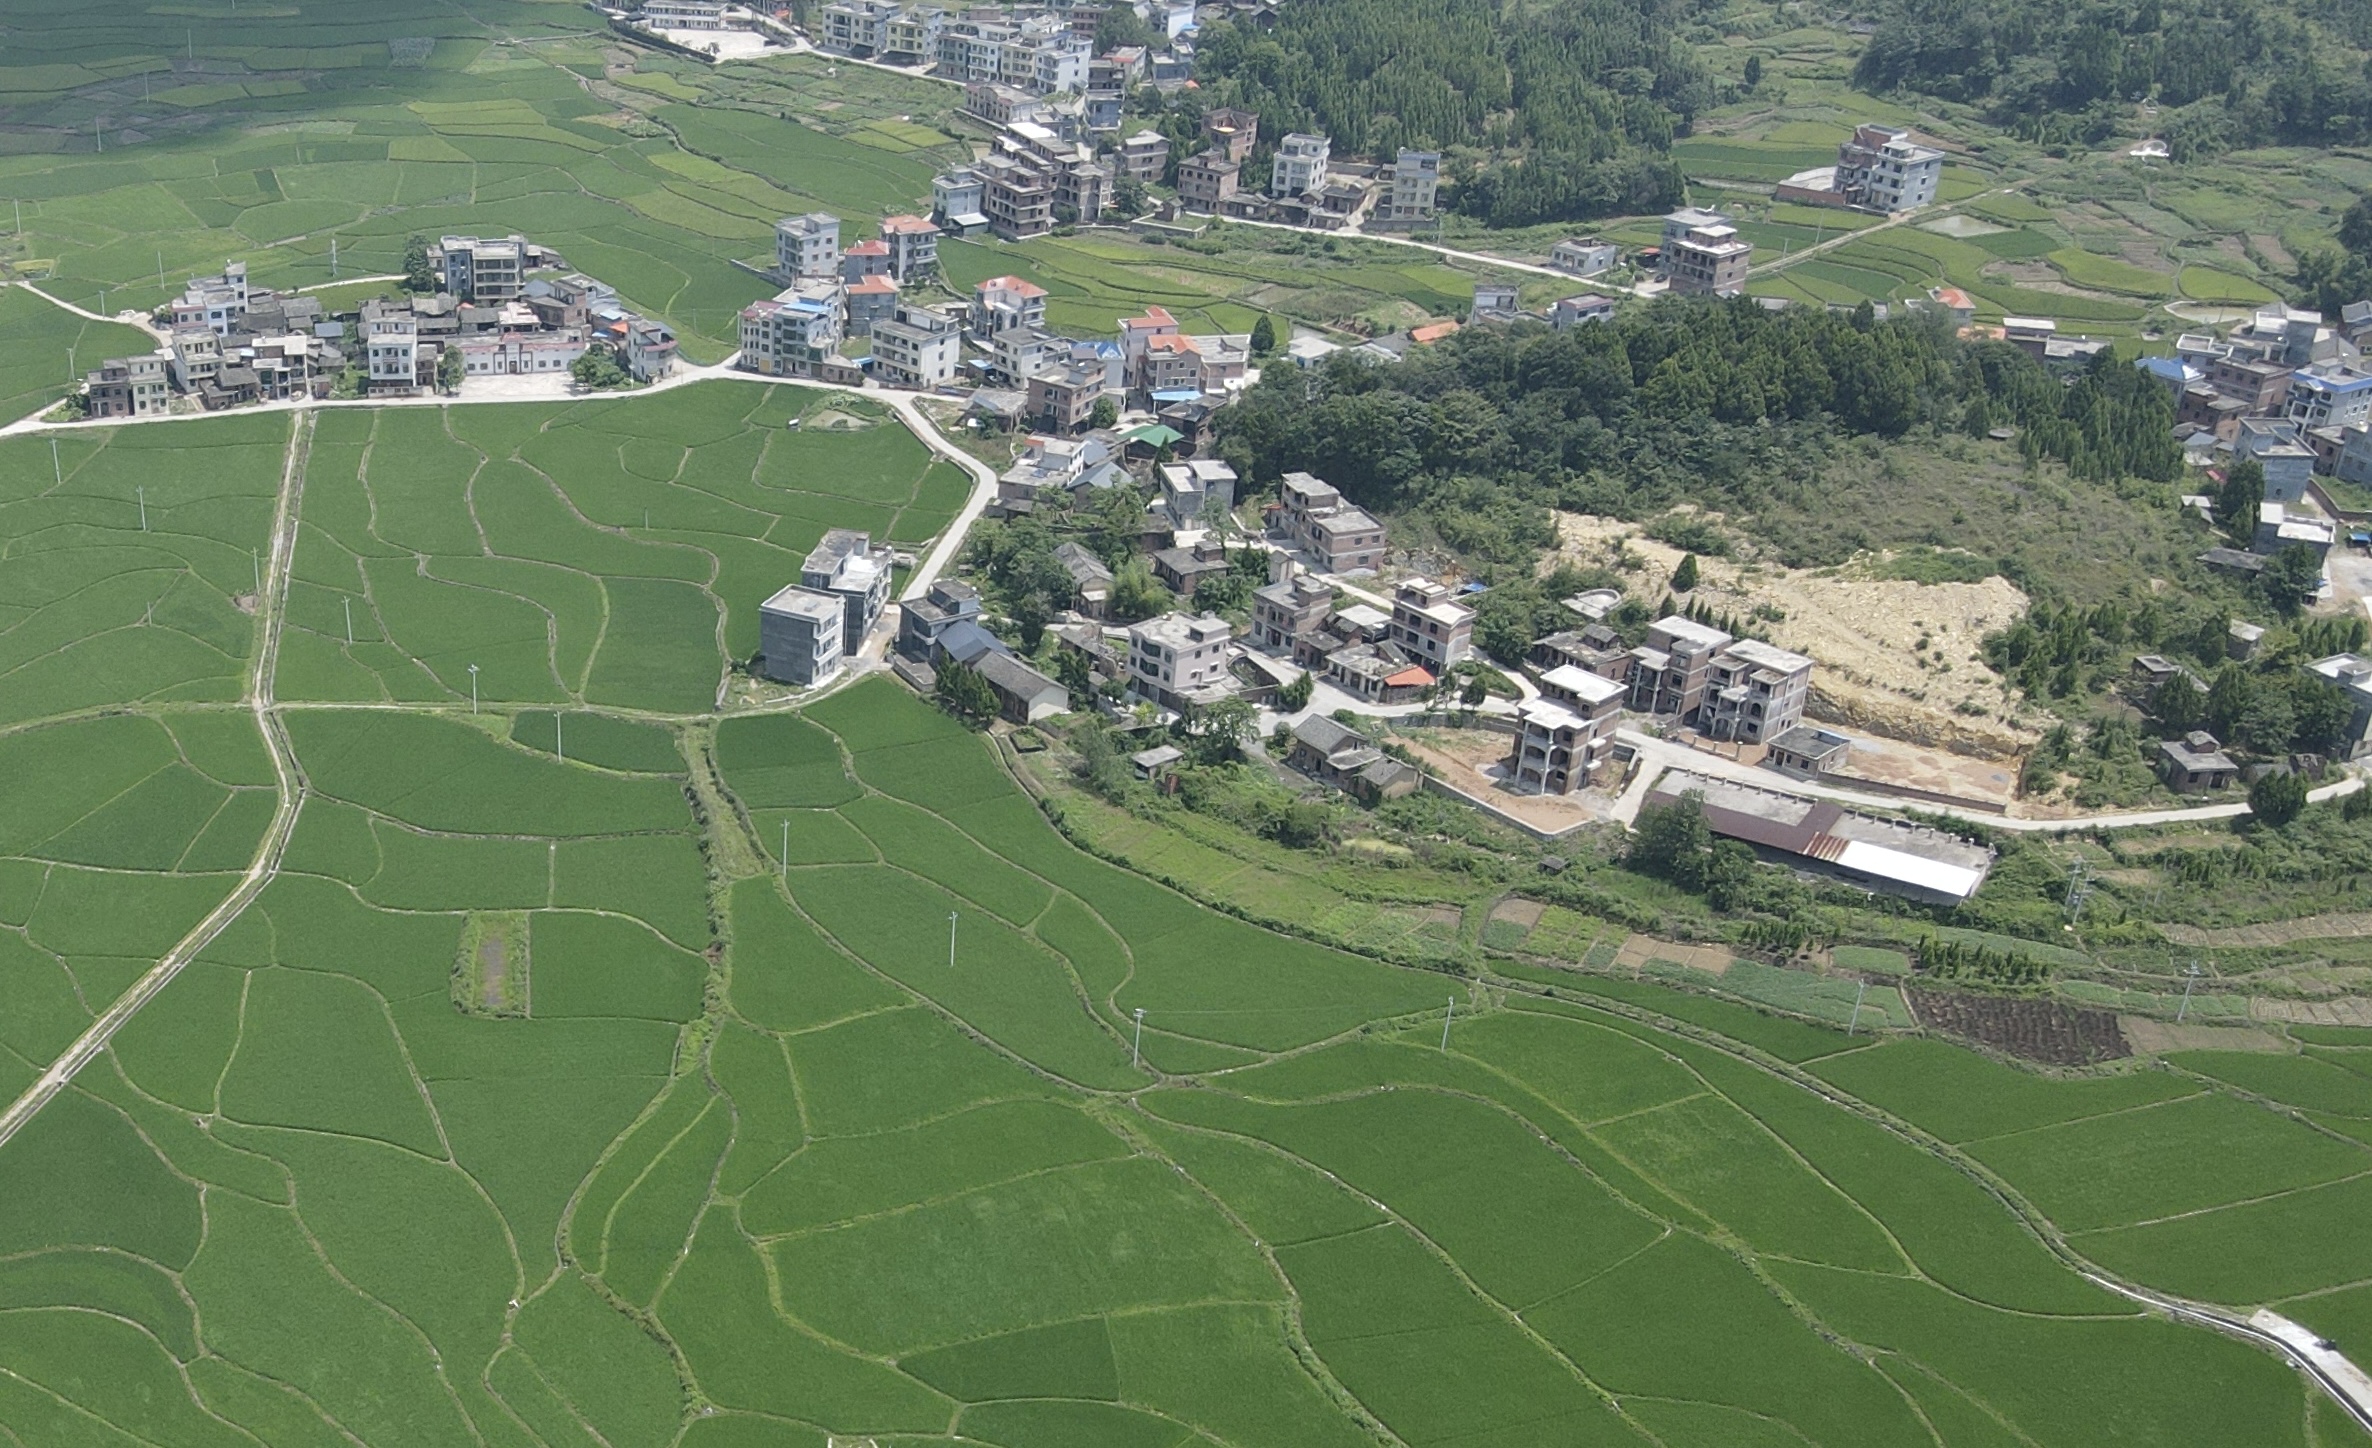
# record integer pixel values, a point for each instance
(799, 636)
(912, 36)
(807, 246)
(858, 28)
(1703, 254)
(649, 349)
(1430, 626)
(1179, 661)
(1669, 672)
(1002, 303)
(682, 14)
(217, 303)
(1336, 536)
(849, 566)
(917, 348)
(1232, 133)
(1062, 399)
(1144, 156)
(1207, 180)
(391, 346)
(922, 620)
(1017, 198)
(1198, 491)
(1001, 105)
(866, 304)
(131, 386)
(482, 269)
(2330, 396)
(1416, 182)
(1883, 169)
(2280, 448)
(790, 335)
(2261, 388)
(914, 248)
(1300, 165)
(867, 258)
(959, 201)
(1290, 605)
(1755, 693)
(1560, 748)
(1018, 354)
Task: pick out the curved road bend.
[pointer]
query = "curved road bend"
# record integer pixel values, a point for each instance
(2347, 1384)
(270, 608)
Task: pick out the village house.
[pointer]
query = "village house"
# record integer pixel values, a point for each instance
(1430, 626)
(847, 565)
(1702, 254)
(2195, 762)
(1336, 536)
(1179, 661)
(1336, 754)
(1558, 748)
(922, 622)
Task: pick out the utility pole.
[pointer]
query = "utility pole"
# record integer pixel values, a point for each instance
(333, 258)
(951, 940)
(143, 492)
(786, 850)
(257, 554)
(2189, 980)
(1859, 991)
(57, 469)
(2079, 889)
(562, 754)
(349, 622)
(1136, 1053)
(473, 688)
(1445, 1023)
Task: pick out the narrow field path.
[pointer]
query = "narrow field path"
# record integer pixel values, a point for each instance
(270, 608)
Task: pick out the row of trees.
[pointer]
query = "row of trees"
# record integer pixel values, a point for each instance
(1953, 960)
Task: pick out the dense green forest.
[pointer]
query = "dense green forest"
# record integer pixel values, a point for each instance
(1557, 113)
(2226, 73)
(1723, 404)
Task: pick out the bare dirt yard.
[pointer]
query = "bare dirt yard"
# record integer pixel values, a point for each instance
(1896, 658)
(1470, 760)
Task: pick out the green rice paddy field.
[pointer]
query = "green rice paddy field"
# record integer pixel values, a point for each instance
(608, 552)
(593, 1070)
(531, 1105)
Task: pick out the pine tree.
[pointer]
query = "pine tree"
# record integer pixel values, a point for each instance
(1264, 336)
(1684, 577)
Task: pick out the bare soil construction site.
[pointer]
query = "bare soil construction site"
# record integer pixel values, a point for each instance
(1897, 658)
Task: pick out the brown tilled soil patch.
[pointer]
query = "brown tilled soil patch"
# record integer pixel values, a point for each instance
(1523, 912)
(2052, 1032)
